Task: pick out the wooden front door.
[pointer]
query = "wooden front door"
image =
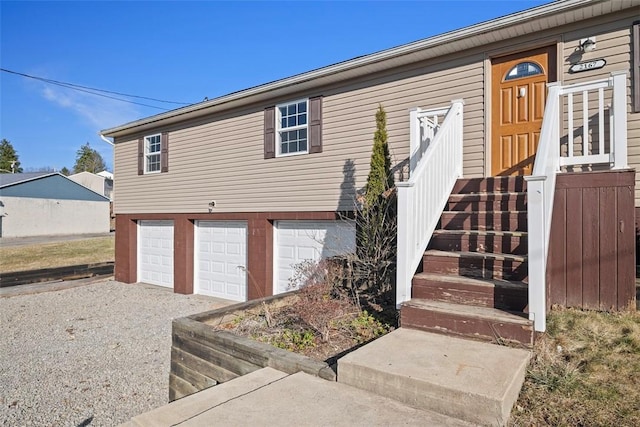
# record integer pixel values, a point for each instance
(519, 92)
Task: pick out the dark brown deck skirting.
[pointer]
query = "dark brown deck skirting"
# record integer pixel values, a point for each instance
(591, 261)
(259, 245)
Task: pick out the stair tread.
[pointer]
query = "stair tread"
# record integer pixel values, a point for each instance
(469, 310)
(483, 212)
(514, 284)
(482, 232)
(481, 194)
(484, 255)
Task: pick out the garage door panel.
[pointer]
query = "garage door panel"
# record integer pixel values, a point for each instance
(155, 252)
(298, 241)
(217, 267)
(221, 258)
(307, 253)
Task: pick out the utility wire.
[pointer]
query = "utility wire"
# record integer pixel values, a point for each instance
(94, 91)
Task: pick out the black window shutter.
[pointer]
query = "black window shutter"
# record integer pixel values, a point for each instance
(315, 125)
(164, 152)
(269, 132)
(141, 156)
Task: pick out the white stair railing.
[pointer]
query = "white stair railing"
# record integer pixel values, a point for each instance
(435, 165)
(542, 182)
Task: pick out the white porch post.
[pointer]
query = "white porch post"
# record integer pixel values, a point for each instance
(619, 122)
(460, 135)
(403, 281)
(414, 138)
(537, 251)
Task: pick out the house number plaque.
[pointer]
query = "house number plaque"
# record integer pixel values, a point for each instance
(587, 66)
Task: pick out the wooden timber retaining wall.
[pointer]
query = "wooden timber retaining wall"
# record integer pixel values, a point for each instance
(14, 278)
(591, 260)
(202, 356)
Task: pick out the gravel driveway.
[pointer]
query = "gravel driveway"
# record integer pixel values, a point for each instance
(92, 355)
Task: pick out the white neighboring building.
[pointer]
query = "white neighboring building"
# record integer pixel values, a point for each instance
(45, 203)
(101, 183)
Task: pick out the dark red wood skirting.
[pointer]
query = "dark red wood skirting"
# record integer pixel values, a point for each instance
(126, 257)
(591, 260)
(183, 239)
(259, 245)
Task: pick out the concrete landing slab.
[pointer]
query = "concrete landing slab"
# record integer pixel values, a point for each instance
(469, 380)
(292, 400)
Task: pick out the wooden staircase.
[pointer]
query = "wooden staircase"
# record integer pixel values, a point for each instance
(473, 280)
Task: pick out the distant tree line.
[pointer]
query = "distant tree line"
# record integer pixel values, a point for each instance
(87, 160)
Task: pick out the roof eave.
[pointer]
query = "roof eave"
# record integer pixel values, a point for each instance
(348, 69)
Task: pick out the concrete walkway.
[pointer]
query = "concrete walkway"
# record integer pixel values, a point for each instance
(268, 397)
(407, 377)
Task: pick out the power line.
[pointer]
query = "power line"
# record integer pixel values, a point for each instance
(94, 91)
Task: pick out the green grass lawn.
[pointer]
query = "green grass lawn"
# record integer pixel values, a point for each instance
(60, 254)
(585, 371)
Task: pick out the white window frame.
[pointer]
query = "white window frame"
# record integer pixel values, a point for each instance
(147, 154)
(280, 129)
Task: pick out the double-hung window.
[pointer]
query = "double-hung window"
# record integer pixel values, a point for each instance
(153, 153)
(152, 146)
(293, 127)
(291, 124)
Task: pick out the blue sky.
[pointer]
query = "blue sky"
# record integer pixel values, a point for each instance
(184, 52)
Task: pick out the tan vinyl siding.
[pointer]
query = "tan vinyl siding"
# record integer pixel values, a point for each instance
(223, 159)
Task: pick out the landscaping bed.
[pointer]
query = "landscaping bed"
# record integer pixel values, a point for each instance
(305, 330)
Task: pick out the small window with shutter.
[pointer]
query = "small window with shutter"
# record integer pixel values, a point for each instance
(153, 154)
(293, 128)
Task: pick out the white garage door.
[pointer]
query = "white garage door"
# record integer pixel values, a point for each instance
(155, 252)
(221, 259)
(297, 241)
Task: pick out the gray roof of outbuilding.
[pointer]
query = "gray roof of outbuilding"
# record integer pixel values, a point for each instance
(7, 179)
(46, 185)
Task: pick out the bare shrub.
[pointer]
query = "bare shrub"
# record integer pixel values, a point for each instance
(320, 305)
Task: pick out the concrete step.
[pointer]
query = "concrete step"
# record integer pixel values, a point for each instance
(502, 294)
(292, 400)
(482, 323)
(475, 264)
(484, 220)
(469, 380)
(506, 242)
(487, 202)
(491, 184)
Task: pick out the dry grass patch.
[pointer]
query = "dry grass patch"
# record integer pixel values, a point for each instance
(585, 372)
(60, 254)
